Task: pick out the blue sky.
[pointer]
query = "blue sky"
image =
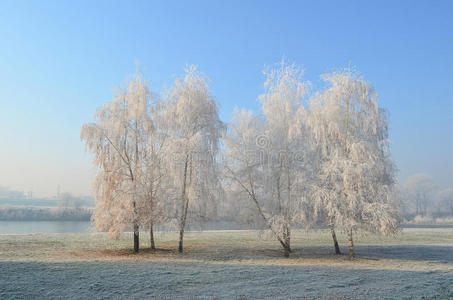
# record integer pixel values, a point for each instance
(59, 61)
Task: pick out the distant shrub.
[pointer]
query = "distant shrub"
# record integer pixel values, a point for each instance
(444, 221)
(430, 220)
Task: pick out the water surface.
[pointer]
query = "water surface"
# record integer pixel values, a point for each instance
(20, 227)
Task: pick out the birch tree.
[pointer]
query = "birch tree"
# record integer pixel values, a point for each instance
(266, 157)
(356, 175)
(119, 139)
(194, 130)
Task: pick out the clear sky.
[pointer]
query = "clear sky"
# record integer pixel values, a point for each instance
(59, 61)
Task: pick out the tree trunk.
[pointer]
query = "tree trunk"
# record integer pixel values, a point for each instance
(260, 211)
(151, 237)
(185, 204)
(183, 225)
(335, 242)
(288, 238)
(351, 244)
(181, 239)
(136, 238)
(286, 251)
(286, 241)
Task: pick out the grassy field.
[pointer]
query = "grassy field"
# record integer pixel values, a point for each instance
(418, 263)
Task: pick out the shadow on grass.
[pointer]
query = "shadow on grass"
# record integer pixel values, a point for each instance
(439, 254)
(443, 254)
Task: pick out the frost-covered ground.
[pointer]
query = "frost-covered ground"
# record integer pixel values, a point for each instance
(198, 280)
(227, 264)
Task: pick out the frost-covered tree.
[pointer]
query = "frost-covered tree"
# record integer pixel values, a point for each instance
(445, 198)
(267, 157)
(193, 132)
(356, 175)
(66, 200)
(419, 191)
(119, 139)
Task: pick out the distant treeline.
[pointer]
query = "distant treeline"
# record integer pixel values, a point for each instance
(44, 214)
(63, 200)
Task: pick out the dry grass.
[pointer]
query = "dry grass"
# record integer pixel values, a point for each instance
(413, 249)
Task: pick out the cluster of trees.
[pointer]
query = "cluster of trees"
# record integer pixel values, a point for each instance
(11, 213)
(310, 158)
(63, 200)
(69, 201)
(423, 197)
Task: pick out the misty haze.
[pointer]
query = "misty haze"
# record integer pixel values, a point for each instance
(226, 150)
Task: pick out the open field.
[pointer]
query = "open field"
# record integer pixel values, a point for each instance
(418, 263)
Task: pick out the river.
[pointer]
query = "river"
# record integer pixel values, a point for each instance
(14, 227)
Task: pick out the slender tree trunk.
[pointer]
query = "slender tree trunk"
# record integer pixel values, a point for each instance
(335, 242)
(288, 238)
(282, 241)
(136, 232)
(185, 204)
(136, 238)
(151, 237)
(286, 241)
(288, 205)
(351, 244)
(260, 211)
(183, 225)
(181, 240)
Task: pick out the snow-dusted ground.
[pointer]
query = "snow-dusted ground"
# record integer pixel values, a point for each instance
(418, 264)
